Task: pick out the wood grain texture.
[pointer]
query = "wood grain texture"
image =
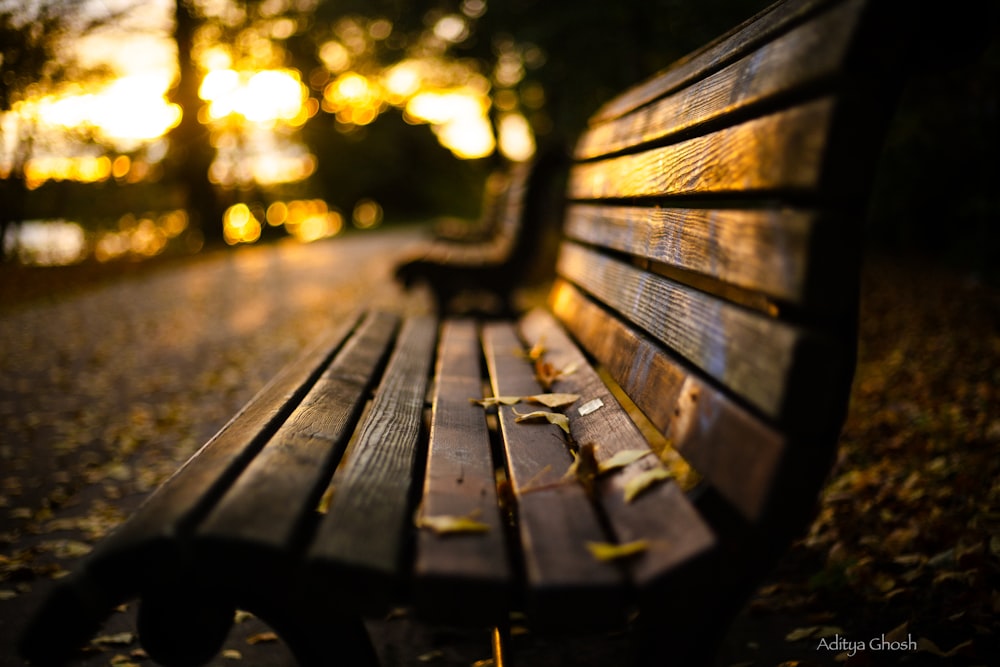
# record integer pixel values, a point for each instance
(185, 498)
(751, 354)
(464, 577)
(782, 152)
(368, 527)
(662, 516)
(711, 57)
(733, 450)
(809, 55)
(555, 517)
(279, 490)
(762, 250)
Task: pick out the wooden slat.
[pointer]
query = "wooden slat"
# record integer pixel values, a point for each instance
(733, 450)
(368, 526)
(714, 55)
(191, 491)
(461, 576)
(751, 354)
(782, 152)
(799, 59)
(662, 516)
(555, 521)
(763, 250)
(279, 490)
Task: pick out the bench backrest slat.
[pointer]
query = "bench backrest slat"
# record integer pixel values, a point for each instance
(790, 65)
(712, 235)
(719, 438)
(754, 355)
(718, 53)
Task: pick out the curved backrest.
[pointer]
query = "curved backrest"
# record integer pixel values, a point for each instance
(711, 251)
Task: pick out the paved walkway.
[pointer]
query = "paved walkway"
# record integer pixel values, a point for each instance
(103, 394)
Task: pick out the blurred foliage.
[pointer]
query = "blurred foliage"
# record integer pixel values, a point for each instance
(936, 192)
(555, 62)
(33, 62)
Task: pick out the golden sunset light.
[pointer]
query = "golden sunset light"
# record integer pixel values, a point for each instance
(263, 97)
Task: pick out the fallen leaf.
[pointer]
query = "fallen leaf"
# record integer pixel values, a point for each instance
(7, 594)
(547, 374)
(262, 638)
(431, 656)
(828, 631)
(560, 420)
(232, 654)
(119, 639)
(584, 467)
(548, 400)
(446, 524)
(898, 633)
(799, 634)
(66, 548)
(604, 551)
(491, 401)
(644, 481)
(553, 400)
(326, 500)
(622, 459)
(123, 661)
(242, 616)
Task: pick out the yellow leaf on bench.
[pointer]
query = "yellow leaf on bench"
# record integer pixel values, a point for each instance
(622, 459)
(548, 400)
(604, 551)
(584, 467)
(562, 421)
(643, 481)
(490, 401)
(446, 524)
(553, 400)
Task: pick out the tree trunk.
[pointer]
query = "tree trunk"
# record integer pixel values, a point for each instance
(191, 154)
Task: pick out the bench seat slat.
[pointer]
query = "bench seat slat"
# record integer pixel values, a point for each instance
(714, 55)
(695, 415)
(754, 157)
(566, 584)
(752, 354)
(801, 58)
(366, 530)
(662, 516)
(762, 250)
(207, 474)
(279, 490)
(461, 577)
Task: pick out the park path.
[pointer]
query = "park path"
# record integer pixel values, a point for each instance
(105, 392)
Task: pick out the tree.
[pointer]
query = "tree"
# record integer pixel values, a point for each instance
(34, 61)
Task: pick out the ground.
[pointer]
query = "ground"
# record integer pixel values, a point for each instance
(107, 383)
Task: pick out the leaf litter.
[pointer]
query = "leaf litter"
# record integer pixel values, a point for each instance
(905, 541)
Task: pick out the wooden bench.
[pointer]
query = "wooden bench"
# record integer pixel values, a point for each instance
(511, 241)
(709, 270)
